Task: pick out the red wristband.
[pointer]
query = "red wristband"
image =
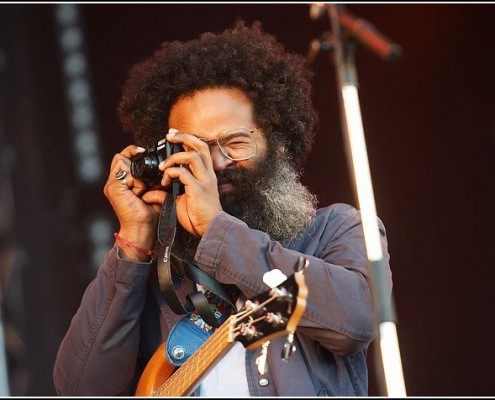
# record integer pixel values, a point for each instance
(133, 246)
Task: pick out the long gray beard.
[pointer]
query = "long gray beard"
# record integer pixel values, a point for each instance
(269, 198)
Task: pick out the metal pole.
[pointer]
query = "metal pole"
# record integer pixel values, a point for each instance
(4, 380)
(343, 50)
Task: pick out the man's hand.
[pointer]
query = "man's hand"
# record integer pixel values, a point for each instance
(137, 209)
(197, 207)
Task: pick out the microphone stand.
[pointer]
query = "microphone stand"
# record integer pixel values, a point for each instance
(343, 50)
(4, 375)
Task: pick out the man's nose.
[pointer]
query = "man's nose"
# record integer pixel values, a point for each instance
(220, 162)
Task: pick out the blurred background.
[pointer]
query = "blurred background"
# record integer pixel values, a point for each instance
(429, 121)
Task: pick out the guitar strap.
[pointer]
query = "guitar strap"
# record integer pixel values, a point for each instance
(189, 333)
(167, 226)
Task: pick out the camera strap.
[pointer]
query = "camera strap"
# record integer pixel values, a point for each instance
(167, 226)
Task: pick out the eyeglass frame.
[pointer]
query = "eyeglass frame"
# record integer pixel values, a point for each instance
(214, 142)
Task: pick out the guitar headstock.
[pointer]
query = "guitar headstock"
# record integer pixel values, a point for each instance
(271, 314)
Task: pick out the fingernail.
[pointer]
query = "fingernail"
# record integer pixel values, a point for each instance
(172, 131)
(141, 149)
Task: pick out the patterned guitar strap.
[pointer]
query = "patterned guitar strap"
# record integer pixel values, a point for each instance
(205, 309)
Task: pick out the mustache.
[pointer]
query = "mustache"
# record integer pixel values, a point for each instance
(231, 175)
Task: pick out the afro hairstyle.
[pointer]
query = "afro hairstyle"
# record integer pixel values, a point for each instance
(276, 81)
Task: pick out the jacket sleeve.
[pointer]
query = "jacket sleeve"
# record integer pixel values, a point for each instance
(98, 354)
(339, 312)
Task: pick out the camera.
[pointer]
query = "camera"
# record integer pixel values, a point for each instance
(144, 166)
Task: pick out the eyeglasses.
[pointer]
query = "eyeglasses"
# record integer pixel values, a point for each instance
(235, 144)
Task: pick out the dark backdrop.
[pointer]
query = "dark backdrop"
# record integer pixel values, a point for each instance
(429, 121)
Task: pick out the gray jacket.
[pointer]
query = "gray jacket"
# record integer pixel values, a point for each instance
(121, 321)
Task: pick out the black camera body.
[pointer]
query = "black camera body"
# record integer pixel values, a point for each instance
(144, 166)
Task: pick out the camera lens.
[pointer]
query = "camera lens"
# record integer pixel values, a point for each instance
(145, 167)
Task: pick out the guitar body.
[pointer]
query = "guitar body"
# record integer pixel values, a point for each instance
(156, 373)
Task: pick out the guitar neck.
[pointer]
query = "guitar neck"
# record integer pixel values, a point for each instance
(188, 376)
(268, 315)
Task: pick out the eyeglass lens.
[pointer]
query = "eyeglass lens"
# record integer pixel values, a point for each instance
(238, 144)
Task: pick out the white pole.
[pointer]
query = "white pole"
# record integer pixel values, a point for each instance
(4, 380)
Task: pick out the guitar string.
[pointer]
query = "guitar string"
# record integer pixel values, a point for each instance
(175, 386)
(218, 343)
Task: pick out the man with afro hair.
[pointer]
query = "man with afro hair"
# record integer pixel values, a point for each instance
(237, 109)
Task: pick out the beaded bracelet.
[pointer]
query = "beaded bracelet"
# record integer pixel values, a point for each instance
(133, 246)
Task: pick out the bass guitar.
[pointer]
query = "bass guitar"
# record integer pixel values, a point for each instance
(268, 315)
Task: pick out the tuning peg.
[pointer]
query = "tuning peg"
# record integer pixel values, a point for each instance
(274, 277)
(261, 360)
(301, 264)
(289, 348)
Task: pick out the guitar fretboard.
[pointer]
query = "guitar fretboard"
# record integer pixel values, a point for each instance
(186, 378)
